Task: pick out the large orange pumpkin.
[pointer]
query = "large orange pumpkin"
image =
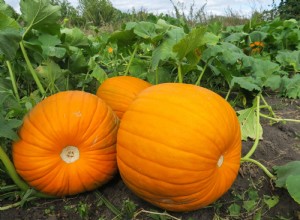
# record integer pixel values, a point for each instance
(118, 92)
(67, 144)
(179, 146)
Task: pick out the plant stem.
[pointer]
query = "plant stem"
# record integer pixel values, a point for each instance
(108, 204)
(268, 106)
(255, 144)
(13, 80)
(201, 74)
(131, 59)
(14, 205)
(279, 119)
(33, 73)
(12, 171)
(269, 174)
(228, 93)
(180, 77)
(155, 213)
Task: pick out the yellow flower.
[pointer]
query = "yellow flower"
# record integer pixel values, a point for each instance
(257, 44)
(110, 50)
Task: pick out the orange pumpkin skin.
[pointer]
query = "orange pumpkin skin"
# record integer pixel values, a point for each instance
(118, 92)
(179, 146)
(67, 144)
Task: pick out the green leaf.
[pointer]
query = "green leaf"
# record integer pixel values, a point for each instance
(253, 194)
(274, 82)
(245, 82)
(215, 27)
(258, 36)
(77, 62)
(123, 38)
(249, 205)
(289, 58)
(146, 30)
(235, 37)
(139, 68)
(288, 176)
(162, 75)
(292, 86)
(7, 98)
(271, 201)
(49, 40)
(9, 36)
(165, 50)
(234, 209)
(210, 38)
(97, 72)
(292, 185)
(6, 9)
(247, 119)
(7, 128)
(7, 22)
(283, 172)
(52, 75)
(49, 43)
(74, 37)
(190, 42)
(40, 15)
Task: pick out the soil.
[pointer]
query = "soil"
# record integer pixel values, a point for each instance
(280, 144)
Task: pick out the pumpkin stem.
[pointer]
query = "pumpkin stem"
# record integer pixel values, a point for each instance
(70, 154)
(220, 161)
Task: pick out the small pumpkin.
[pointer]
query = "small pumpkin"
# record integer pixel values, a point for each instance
(67, 144)
(118, 92)
(179, 146)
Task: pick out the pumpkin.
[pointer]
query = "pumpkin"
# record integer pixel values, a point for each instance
(179, 146)
(67, 144)
(118, 92)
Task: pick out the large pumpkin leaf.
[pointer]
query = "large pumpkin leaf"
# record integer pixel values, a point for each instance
(123, 38)
(245, 82)
(289, 58)
(292, 185)
(97, 72)
(190, 42)
(49, 46)
(9, 36)
(165, 50)
(40, 15)
(146, 30)
(6, 9)
(248, 123)
(291, 86)
(283, 172)
(74, 37)
(52, 76)
(288, 176)
(7, 126)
